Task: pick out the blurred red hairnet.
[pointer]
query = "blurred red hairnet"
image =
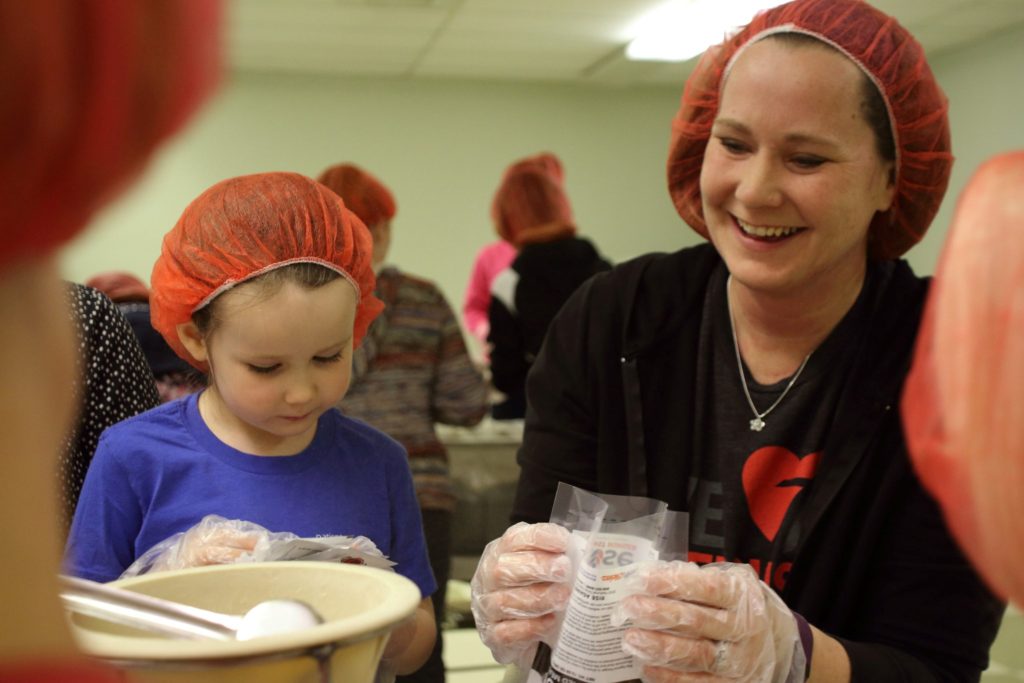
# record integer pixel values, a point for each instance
(531, 198)
(243, 227)
(895, 62)
(963, 408)
(363, 194)
(119, 286)
(89, 89)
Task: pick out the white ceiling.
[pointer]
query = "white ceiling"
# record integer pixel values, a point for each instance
(578, 41)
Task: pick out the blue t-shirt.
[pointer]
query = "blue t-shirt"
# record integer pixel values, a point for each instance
(161, 472)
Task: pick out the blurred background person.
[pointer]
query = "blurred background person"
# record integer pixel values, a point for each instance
(496, 257)
(962, 405)
(89, 91)
(531, 211)
(490, 260)
(113, 382)
(411, 372)
(174, 377)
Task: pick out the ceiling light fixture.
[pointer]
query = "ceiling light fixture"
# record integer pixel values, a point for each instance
(682, 29)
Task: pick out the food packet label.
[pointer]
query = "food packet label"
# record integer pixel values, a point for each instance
(589, 648)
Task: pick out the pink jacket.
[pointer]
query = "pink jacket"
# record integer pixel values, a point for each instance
(490, 260)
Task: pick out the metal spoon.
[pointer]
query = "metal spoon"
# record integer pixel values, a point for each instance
(183, 621)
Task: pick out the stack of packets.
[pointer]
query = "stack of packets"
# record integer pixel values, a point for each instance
(217, 540)
(328, 549)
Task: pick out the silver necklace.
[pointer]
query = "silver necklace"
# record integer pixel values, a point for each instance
(758, 423)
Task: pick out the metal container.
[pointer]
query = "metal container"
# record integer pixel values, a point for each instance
(360, 607)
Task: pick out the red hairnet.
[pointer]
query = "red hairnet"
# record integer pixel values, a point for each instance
(120, 286)
(89, 90)
(886, 52)
(530, 204)
(363, 194)
(244, 227)
(962, 405)
(545, 162)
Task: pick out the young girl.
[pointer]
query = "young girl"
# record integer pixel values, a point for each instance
(266, 284)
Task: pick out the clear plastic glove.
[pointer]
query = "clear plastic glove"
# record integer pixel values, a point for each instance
(716, 622)
(214, 540)
(523, 579)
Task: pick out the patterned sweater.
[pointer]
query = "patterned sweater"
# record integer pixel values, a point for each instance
(412, 371)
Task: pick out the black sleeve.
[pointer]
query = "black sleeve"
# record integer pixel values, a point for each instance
(509, 364)
(927, 616)
(561, 435)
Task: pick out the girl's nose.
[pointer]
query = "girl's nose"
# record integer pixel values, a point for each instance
(300, 390)
(758, 184)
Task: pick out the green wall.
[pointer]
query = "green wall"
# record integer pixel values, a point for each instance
(441, 147)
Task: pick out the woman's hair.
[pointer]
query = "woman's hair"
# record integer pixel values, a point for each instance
(306, 275)
(872, 104)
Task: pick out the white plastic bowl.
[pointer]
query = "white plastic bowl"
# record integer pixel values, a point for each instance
(360, 607)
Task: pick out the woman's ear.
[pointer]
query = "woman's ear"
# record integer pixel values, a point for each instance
(889, 192)
(193, 341)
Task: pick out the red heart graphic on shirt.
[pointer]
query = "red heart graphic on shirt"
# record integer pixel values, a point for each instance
(772, 476)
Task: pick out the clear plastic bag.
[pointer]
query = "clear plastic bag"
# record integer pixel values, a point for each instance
(217, 540)
(611, 535)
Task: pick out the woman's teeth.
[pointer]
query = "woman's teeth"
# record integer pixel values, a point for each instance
(766, 231)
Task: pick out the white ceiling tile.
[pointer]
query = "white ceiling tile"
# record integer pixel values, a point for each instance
(572, 40)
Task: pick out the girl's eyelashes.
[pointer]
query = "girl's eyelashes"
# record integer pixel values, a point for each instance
(269, 369)
(263, 369)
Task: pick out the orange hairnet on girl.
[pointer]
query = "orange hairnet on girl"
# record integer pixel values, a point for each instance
(90, 88)
(962, 406)
(530, 205)
(890, 57)
(362, 193)
(244, 227)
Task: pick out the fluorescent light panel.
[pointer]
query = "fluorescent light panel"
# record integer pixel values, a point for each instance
(682, 29)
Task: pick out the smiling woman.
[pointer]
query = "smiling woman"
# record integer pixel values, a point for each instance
(751, 381)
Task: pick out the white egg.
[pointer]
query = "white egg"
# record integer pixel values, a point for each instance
(277, 616)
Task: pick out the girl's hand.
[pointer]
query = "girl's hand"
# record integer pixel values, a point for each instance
(214, 540)
(713, 623)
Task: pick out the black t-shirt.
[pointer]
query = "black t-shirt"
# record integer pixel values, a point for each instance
(747, 487)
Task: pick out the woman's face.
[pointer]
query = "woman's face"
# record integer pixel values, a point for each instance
(791, 177)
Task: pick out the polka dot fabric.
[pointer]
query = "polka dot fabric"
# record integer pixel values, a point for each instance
(114, 383)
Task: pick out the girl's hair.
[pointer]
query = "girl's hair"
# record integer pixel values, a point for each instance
(872, 104)
(305, 275)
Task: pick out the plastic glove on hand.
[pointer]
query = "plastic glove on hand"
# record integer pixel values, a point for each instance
(214, 540)
(713, 623)
(522, 580)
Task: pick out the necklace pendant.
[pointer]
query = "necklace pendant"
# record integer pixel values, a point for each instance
(757, 424)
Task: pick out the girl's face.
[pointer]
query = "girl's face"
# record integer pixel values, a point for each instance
(791, 177)
(277, 364)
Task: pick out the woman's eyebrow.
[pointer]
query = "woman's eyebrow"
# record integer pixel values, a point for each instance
(806, 138)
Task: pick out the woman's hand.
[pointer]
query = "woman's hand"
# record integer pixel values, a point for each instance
(523, 579)
(713, 623)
